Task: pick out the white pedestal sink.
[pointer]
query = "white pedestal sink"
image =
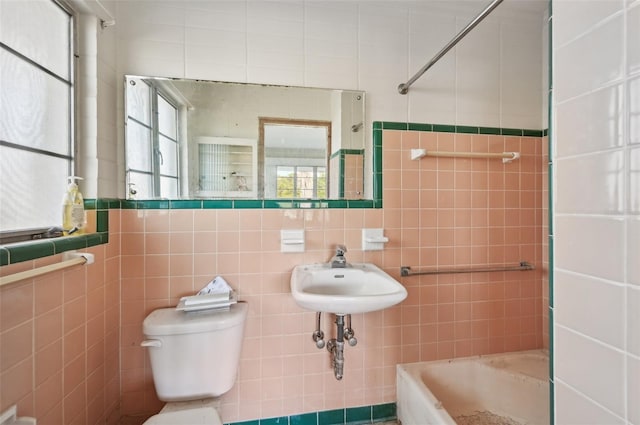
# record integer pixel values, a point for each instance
(359, 288)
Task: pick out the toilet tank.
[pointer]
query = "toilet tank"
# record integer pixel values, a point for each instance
(194, 354)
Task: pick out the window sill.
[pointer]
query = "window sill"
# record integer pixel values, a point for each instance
(31, 250)
(98, 234)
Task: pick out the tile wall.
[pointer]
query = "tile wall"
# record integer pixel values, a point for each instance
(59, 339)
(596, 86)
(165, 254)
(437, 213)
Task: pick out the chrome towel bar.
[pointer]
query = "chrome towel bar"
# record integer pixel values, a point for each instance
(523, 266)
(506, 156)
(70, 259)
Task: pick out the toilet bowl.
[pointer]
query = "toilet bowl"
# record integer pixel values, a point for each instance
(194, 358)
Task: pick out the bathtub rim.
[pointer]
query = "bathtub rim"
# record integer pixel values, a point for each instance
(411, 374)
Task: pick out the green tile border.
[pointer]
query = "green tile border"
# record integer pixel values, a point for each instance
(347, 152)
(384, 412)
(359, 415)
(4, 256)
(25, 251)
(32, 250)
(462, 129)
(377, 164)
(283, 420)
(102, 221)
(341, 155)
(304, 419)
(420, 127)
(332, 417)
(348, 416)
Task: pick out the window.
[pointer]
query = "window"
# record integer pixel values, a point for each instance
(301, 182)
(152, 142)
(36, 113)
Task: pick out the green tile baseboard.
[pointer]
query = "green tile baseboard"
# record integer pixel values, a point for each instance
(349, 416)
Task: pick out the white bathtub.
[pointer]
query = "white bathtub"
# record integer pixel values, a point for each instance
(514, 385)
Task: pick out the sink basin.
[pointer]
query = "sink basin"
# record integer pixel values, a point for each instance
(360, 288)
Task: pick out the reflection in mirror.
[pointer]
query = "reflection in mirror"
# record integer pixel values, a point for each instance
(295, 158)
(204, 139)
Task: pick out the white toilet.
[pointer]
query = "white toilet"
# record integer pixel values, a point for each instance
(194, 357)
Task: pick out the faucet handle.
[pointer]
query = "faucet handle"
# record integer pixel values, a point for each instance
(340, 249)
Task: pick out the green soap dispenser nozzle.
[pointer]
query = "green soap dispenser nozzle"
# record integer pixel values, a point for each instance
(73, 217)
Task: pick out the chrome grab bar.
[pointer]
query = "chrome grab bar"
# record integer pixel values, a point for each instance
(523, 266)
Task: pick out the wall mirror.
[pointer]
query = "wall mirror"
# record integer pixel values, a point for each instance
(188, 139)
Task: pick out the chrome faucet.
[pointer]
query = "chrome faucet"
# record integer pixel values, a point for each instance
(338, 260)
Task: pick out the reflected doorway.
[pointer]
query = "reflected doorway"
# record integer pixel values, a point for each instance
(296, 155)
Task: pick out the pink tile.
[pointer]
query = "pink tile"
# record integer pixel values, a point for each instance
(157, 265)
(74, 314)
(180, 286)
(156, 221)
(131, 221)
(228, 220)
(205, 242)
(156, 288)
(74, 374)
(16, 344)
(154, 243)
(95, 382)
(95, 329)
(49, 293)
(16, 383)
(250, 220)
(132, 266)
(181, 242)
(48, 328)
(74, 406)
(392, 160)
(132, 243)
(205, 220)
(228, 241)
(48, 398)
(251, 241)
(48, 362)
(16, 304)
(74, 344)
(181, 220)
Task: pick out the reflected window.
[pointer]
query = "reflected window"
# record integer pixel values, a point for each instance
(152, 142)
(304, 182)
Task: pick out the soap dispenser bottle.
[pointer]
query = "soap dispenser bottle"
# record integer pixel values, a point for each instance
(73, 219)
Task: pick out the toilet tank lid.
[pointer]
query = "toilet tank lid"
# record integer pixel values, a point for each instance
(169, 321)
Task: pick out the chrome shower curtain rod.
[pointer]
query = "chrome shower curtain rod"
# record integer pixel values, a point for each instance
(404, 87)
